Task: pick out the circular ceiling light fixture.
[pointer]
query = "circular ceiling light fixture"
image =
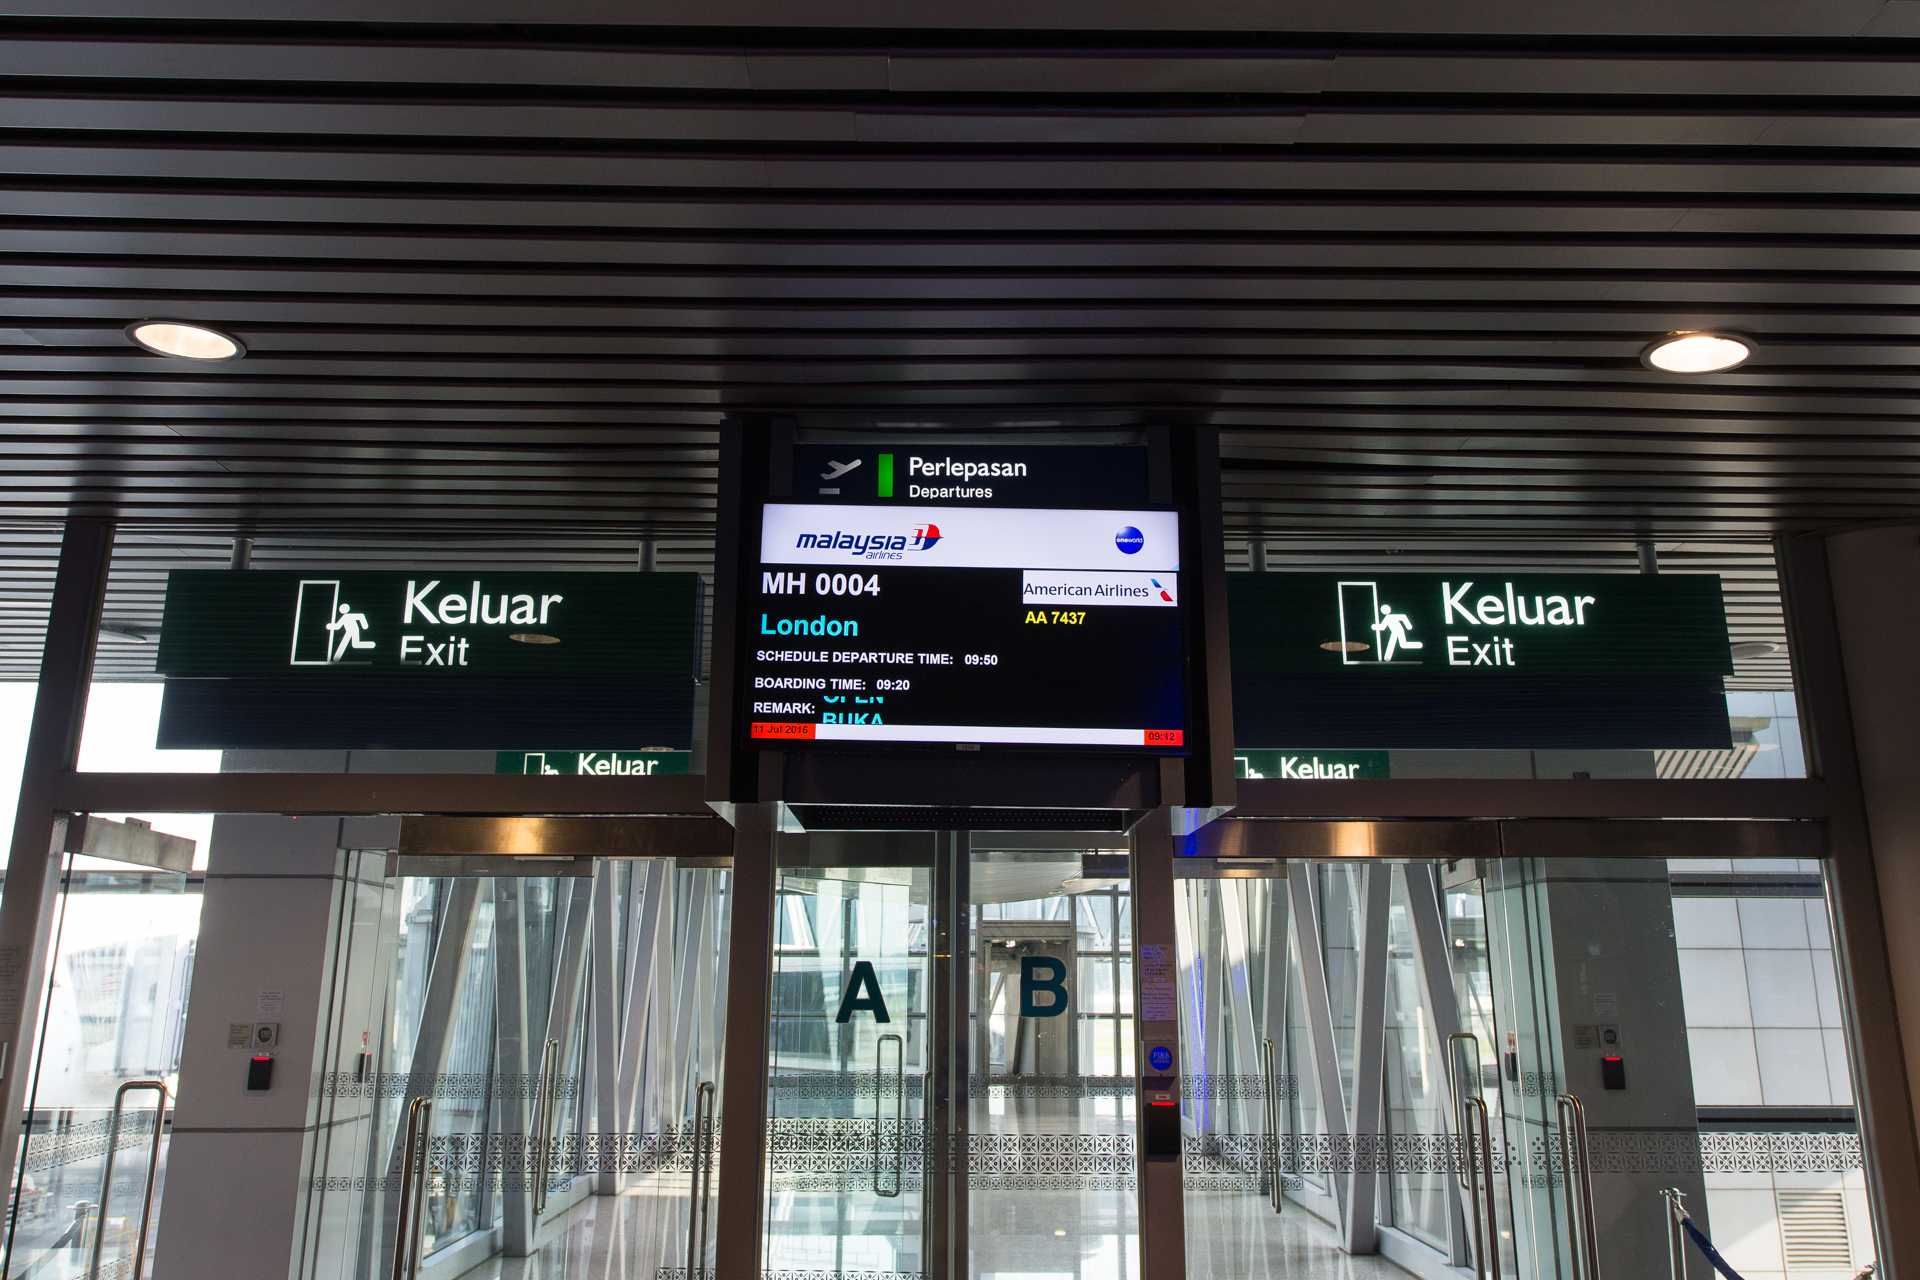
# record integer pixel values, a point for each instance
(1697, 353)
(188, 341)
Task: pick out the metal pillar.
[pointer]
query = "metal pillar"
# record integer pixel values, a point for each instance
(569, 974)
(1369, 1058)
(619, 1113)
(1246, 1058)
(33, 862)
(1436, 976)
(1310, 953)
(1162, 1206)
(686, 987)
(743, 1098)
(610, 1119)
(945, 1163)
(515, 1059)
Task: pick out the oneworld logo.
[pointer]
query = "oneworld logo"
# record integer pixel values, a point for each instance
(1130, 540)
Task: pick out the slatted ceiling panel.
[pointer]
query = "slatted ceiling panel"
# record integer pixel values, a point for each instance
(1405, 255)
(1748, 576)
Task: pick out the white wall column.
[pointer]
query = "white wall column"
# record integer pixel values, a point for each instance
(239, 1161)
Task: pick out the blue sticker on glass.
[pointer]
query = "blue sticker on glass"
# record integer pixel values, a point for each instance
(1160, 1058)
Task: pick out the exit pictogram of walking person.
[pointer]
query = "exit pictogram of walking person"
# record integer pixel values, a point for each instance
(349, 625)
(1396, 627)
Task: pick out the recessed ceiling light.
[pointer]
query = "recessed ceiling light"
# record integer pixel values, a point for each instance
(533, 637)
(1696, 353)
(188, 341)
(1754, 649)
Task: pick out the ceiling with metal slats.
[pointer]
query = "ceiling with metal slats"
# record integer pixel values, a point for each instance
(507, 273)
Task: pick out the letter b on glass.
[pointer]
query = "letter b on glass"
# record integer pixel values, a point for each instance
(1042, 975)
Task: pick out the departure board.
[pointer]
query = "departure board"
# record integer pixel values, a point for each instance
(973, 626)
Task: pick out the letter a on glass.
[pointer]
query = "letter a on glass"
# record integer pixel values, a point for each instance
(863, 979)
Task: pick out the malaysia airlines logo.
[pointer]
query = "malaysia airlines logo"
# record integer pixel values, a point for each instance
(872, 545)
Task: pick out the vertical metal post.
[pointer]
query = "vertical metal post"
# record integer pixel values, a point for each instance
(611, 1120)
(1436, 976)
(945, 1147)
(33, 862)
(1239, 988)
(1369, 1059)
(512, 1036)
(743, 1101)
(1162, 1203)
(1311, 954)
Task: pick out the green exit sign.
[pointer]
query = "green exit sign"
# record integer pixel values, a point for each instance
(1477, 624)
(429, 623)
(593, 764)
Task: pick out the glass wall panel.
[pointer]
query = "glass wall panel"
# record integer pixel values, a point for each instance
(118, 976)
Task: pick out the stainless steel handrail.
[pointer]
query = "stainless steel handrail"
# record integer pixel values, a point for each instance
(700, 1180)
(543, 1125)
(1486, 1237)
(1675, 1200)
(1575, 1160)
(408, 1223)
(1269, 1065)
(1459, 1094)
(106, 1175)
(899, 1114)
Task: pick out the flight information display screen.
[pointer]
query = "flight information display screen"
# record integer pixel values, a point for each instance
(965, 625)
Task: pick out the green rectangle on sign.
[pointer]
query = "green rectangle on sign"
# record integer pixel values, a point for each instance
(593, 764)
(1476, 623)
(429, 623)
(1311, 765)
(885, 480)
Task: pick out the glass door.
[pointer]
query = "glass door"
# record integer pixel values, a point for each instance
(848, 1073)
(87, 1192)
(452, 1068)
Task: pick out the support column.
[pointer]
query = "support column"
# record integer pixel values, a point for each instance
(1369, 1059)
(33, 862)
(1852, 618)
(270, 932)
(743, 1097)
(514, 1063)
(1311, 954)
(610, 1120)
(1162, 1204)
(945, 1159)
(1436, 976)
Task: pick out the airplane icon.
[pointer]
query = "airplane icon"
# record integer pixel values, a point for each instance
(839, 469)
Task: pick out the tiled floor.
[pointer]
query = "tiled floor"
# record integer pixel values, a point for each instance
(1234, 1235)
(1083, 1234)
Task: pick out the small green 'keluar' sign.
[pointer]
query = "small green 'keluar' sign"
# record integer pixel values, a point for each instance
(428, 623)
(1480, 624)
(593, 764)
(1311, 766)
